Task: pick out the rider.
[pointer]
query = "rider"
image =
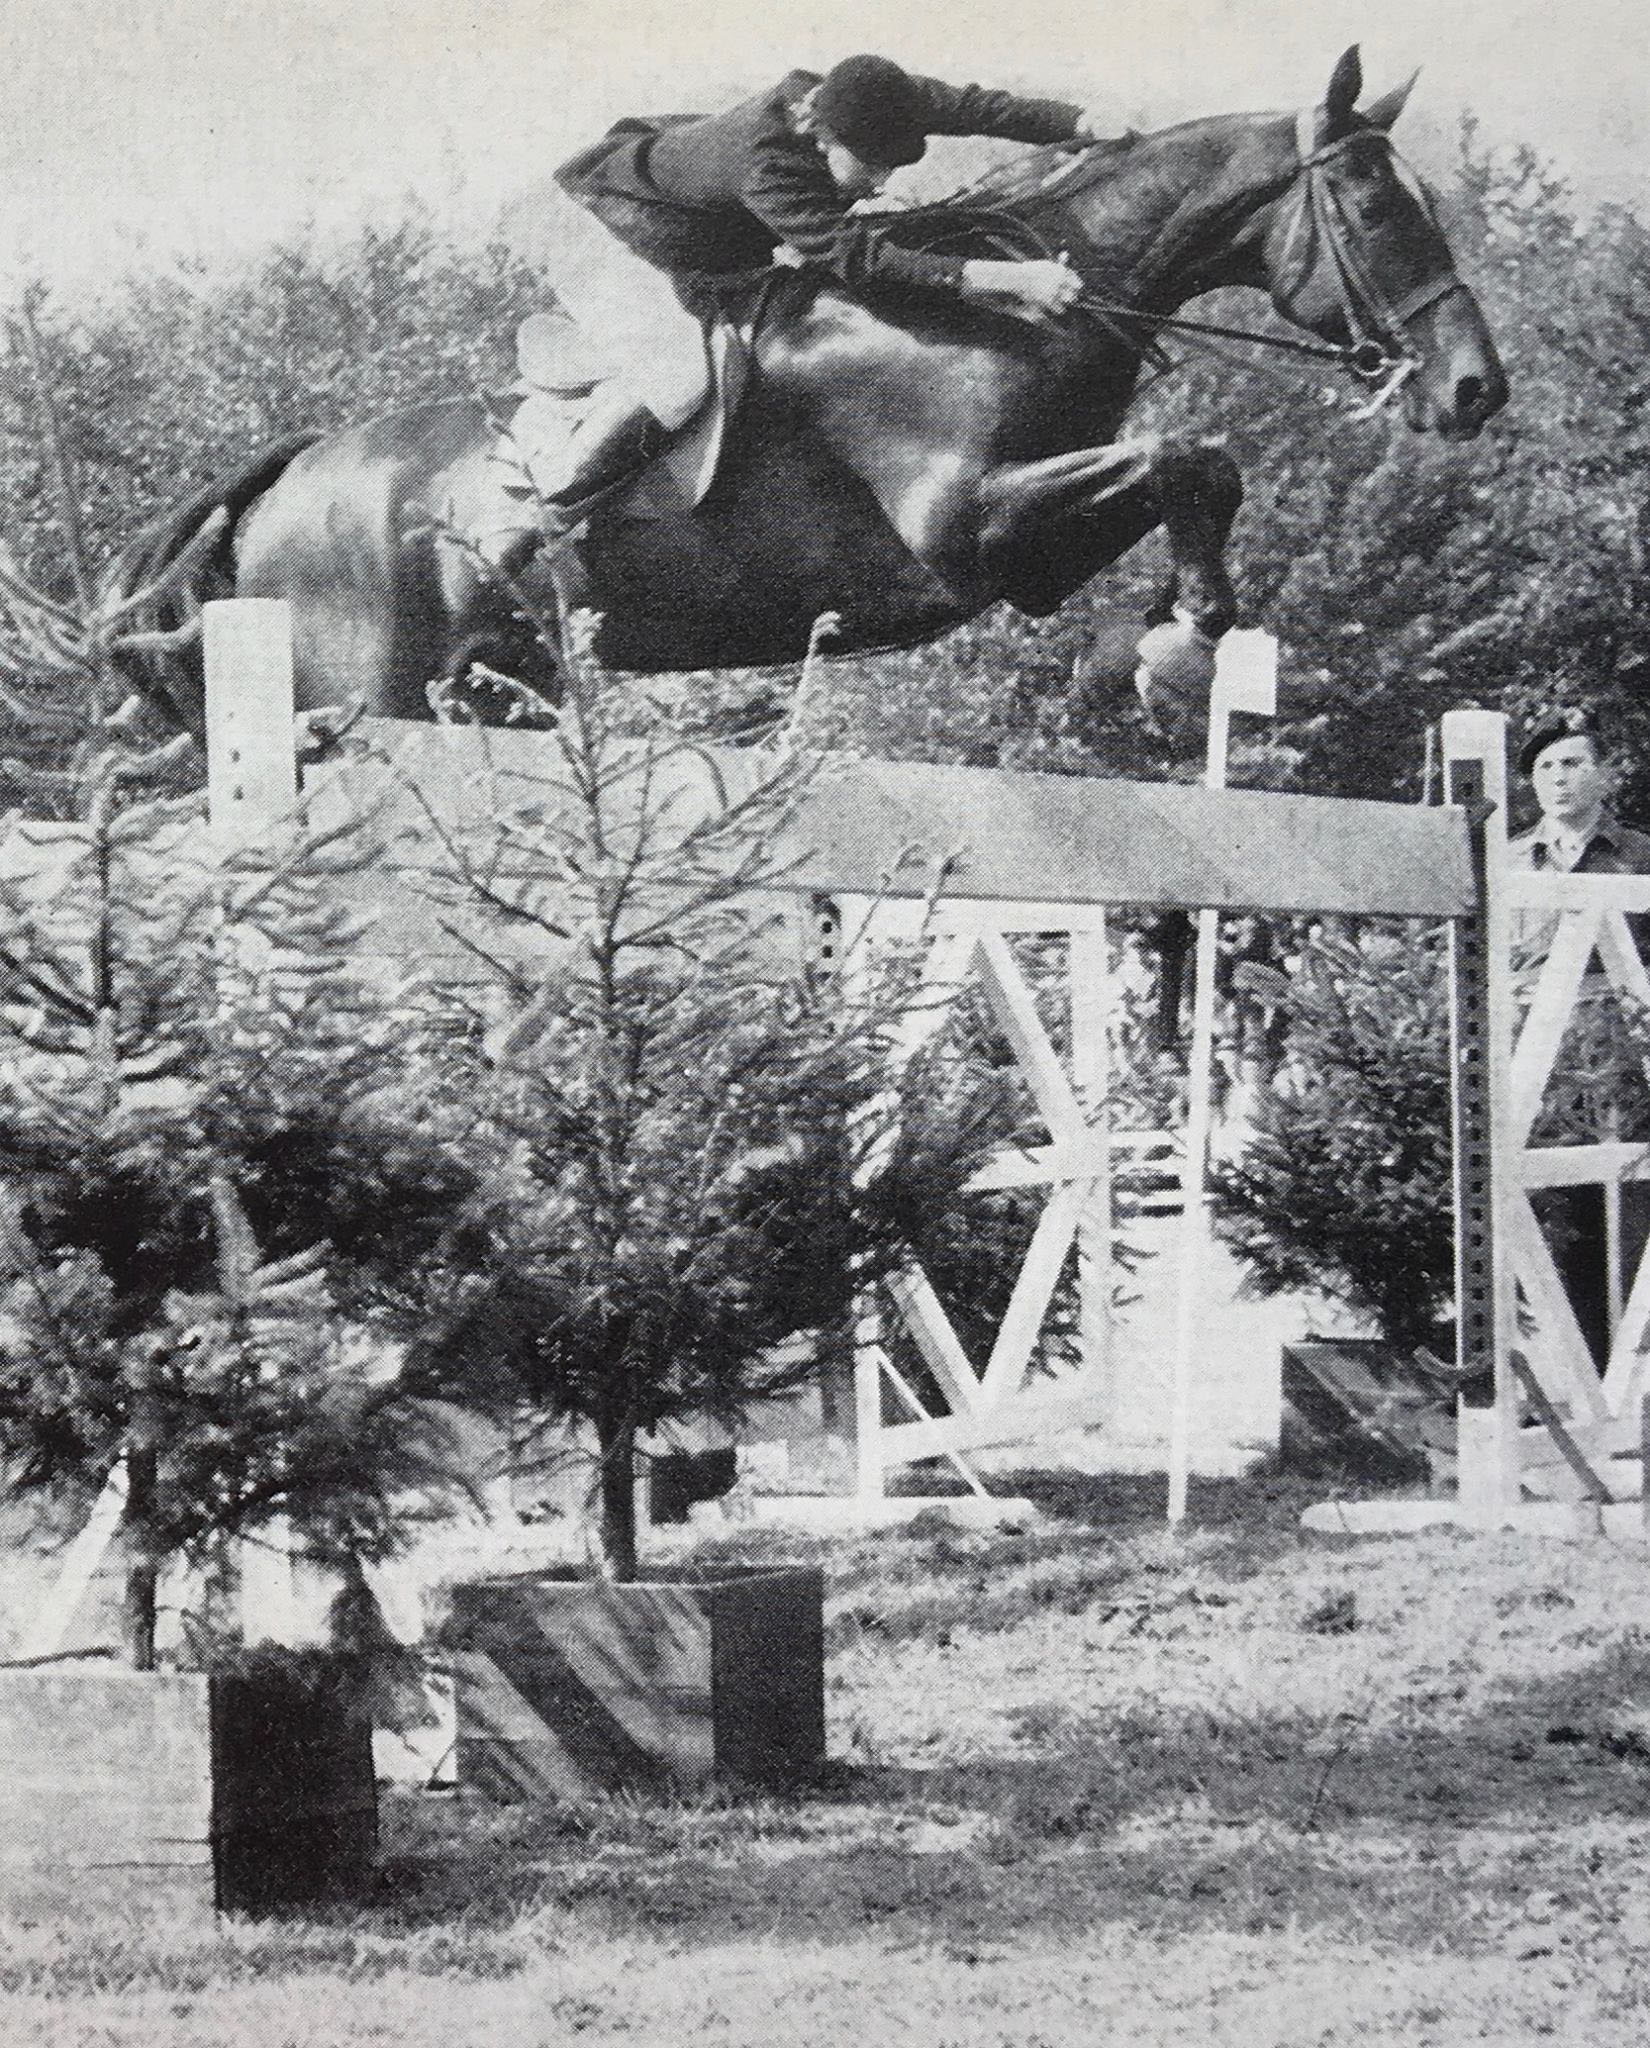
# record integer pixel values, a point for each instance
(697, 203)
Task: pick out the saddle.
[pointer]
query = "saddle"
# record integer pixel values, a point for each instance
(561, 372)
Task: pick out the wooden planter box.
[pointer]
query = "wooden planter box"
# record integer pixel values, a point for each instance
(1361, 1406)
(569, 1686)
(250, 1793)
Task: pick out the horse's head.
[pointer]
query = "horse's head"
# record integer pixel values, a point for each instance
(1354, 253)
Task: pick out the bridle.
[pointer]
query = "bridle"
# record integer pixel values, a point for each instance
(1382, 352)
(1380, 326)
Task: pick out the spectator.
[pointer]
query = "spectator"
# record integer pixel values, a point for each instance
(1566, 762)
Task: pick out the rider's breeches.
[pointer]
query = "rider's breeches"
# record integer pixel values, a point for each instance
(629, 315)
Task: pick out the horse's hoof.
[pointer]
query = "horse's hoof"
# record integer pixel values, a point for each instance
(320, 732)
(1178, 658)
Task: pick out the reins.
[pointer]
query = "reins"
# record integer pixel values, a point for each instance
(1352, 358)
(1380, 353)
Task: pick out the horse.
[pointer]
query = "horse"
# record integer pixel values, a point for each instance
(903, 466)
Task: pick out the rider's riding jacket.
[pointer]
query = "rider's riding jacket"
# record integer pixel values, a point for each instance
(710, 198)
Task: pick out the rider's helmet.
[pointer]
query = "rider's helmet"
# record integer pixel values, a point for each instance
(873, 108)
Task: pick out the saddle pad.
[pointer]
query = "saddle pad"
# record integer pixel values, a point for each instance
(553, 354)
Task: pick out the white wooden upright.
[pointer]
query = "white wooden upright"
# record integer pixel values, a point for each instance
(1560, 1427)
(251, 787)
(251, 755)
(1245, 679)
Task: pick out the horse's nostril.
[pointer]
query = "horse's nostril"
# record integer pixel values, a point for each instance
(1479, 396)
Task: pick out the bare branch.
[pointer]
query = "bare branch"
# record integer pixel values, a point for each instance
(178, 641)
(64, 1000)
(18, 587)
(65, 480)
(50, 718)
(43, 781)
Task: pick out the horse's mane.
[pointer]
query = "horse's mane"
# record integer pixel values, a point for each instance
(1053, 170)
(1017, 210)
(953, 228)
(1003, 213)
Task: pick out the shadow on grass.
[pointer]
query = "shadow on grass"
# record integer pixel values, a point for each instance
(1264, 1505)
(1098, 1538)
(1417, 1831)
(1409, 1835)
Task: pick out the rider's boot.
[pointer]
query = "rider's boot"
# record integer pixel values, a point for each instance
(611, 443)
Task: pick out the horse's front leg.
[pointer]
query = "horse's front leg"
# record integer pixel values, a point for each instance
(1199, 491)
(1047, 527)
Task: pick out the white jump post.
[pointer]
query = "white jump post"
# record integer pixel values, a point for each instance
(1246, 679)
(252, 784)
(251, 757)
(1089, 1009)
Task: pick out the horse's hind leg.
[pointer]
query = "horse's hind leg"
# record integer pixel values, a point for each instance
(1023, 503)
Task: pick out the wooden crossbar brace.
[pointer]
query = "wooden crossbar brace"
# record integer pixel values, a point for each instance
(966, 942)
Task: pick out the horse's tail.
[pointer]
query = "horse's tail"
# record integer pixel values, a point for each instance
(171, 675)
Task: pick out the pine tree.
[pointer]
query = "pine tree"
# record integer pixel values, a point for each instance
(697, 1157)
(1345, 1186)
(207, 1148)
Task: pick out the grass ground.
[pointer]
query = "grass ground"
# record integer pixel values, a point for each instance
(1089, 1783)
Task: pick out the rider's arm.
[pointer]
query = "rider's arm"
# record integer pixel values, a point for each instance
(976, 110)
(790, 191)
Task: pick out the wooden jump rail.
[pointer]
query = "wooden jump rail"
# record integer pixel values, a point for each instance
(1048, 854)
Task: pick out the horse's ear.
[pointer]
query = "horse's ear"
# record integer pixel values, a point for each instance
(1383, 112)
(1340, 102)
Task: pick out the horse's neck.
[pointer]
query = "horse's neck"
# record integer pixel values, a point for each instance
(1185, 212)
